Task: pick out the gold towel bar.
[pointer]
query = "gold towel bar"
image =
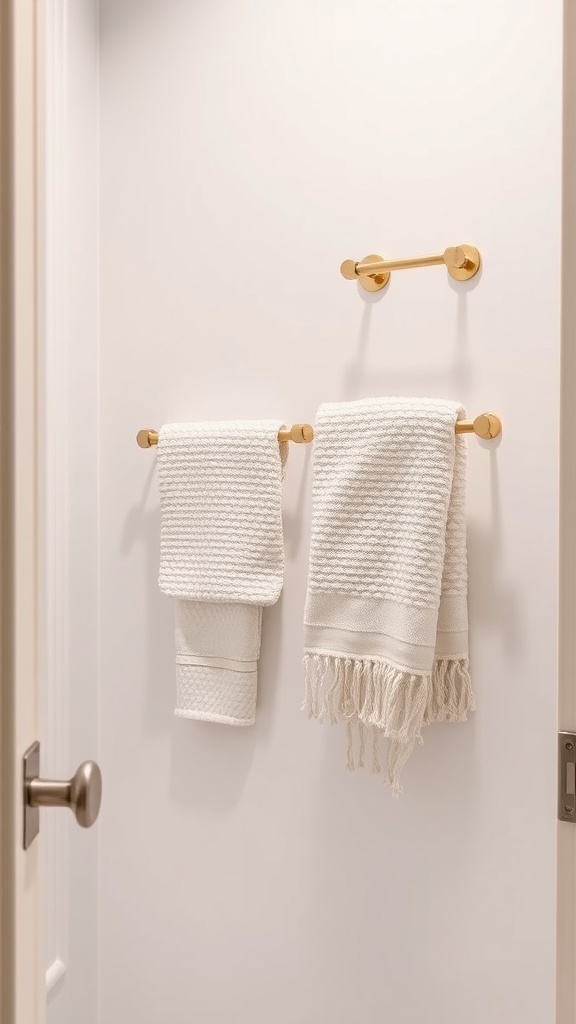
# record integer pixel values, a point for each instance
(487, 426)
(300, 433)
(461, 261)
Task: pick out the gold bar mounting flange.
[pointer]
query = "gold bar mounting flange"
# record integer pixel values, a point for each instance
(373, 272)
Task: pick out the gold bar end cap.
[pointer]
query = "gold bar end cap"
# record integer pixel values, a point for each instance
(462, 261)
(488, 426)
(147, 438)
(369, 282)
(300, 433)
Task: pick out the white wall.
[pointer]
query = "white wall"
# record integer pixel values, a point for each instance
(246, 150)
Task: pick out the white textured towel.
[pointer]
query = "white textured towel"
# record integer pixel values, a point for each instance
(386, 621)
(222, 556)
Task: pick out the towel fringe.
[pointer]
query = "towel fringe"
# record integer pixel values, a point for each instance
(368, 693)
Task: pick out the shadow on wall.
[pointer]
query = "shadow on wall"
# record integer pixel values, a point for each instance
(493, 602)
(142, 528)
(295, 521)
(209, 762)
(127, 17)
(358, 821)
(361, 380)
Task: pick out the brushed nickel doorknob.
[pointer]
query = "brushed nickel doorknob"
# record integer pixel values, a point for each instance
(82, 793)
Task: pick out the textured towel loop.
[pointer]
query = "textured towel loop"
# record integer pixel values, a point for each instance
(221, 557)
(386, 622)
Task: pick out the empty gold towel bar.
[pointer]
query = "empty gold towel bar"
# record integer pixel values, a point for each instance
(461, 261)
(487, 426)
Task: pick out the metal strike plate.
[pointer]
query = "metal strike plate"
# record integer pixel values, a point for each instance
(31, 763)
(567, 776)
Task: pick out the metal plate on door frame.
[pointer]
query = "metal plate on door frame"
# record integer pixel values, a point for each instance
(567, 776)
(31, 763)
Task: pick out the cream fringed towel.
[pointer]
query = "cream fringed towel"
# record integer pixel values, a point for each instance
(386, 622)
(222, 556)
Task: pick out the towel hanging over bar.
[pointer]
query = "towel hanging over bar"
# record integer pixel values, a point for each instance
(300, 433)
(487, 426)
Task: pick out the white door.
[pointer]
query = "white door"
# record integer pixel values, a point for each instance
(49, 499)
(209, 167)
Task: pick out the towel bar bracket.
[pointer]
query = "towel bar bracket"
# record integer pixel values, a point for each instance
(373, 272)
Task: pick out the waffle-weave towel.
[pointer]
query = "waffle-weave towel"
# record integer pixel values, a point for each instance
(221, 556)
(386, 622)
